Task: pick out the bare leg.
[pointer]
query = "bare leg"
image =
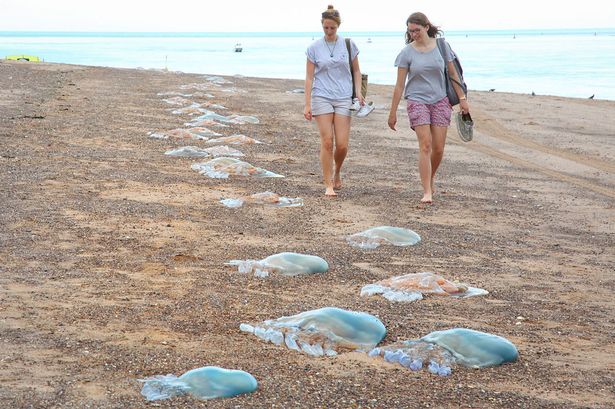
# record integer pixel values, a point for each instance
(325, 127)
(341, 125)
(438, 139)
(423, 134)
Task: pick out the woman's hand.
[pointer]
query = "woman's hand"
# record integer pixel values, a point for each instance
(465, 107)
(307, 113)
(392, 120)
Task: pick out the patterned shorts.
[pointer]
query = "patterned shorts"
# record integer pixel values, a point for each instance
(438, 114)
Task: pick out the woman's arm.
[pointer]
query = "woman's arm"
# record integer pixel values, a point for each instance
(397, 92)
(463, 102)
(356, 72)
(309, 80)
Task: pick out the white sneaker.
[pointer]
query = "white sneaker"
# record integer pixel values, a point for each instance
(355, 105)
(365, 110)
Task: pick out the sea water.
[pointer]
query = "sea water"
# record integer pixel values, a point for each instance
(571, 63)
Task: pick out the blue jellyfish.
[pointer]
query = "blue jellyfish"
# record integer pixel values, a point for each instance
(326, 331)
(208, 382)
(474, 349)
(290, 264)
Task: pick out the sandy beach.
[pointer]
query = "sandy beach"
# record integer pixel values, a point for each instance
(112, 254)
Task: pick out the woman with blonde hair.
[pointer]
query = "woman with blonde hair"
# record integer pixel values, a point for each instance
(421, 67)
(328, 96)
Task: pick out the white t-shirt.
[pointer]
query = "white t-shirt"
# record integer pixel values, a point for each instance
(332, 77)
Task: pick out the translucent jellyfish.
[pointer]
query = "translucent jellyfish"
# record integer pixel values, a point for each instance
(213, 106)
(176, 100)
(173, 93)
(266, 198)
(200, 94)
(188, 151)
(193, 133)
(242, 119)
(374, 237)
(416, 355)
(205, 122)
(289, 264)
(194, 109)
(197, 86)
(208, 382)
(440, 351)
(212, 116)
(224, 150)
(237, 139)
(326, 331)
(412, 287)
(223, 167)
(474, 349)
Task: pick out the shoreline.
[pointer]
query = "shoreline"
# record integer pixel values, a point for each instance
(113, 253)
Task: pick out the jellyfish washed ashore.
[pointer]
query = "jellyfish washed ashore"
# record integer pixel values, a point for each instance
(412, 287)
(237, 139)
(231, 119)
(374, 237)
(439, 351)
(266, 198)
(289, 264)
(208, 382)
(223, 167)
(199, 133)
(326, 331)
(196, 152)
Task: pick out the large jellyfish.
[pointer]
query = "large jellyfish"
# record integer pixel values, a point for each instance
(196, 152)
(208, 382)
(266, 198)
(223, 167)
(194, 109)
(289, 264)
(374, 237)
(326, 331)
(237, 139)
(176, 100)
(411, 287)
(440, 351)
(199, 133)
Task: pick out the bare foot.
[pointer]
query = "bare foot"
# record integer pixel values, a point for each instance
(337, 181)
(426, 199)
(330, 192)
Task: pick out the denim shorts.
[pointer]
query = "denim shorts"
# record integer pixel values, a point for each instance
(438, 114)
(322, 106)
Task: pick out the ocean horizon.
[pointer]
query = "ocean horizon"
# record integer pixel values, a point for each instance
(570, 63)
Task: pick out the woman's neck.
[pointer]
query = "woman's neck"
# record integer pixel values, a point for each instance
(331, 39)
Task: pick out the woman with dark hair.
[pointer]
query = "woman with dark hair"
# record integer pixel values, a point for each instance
(328, 96)
(420, 67)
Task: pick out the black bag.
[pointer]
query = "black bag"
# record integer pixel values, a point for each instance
(363, 76)
(450, 90)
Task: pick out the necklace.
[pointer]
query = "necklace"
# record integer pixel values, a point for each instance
(329, 48)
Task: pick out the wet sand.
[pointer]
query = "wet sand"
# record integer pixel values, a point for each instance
(112, 254)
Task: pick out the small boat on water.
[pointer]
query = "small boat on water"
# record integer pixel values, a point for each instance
(238, 48)
(23, 57)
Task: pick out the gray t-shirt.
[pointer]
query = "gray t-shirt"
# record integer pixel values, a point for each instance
(425, 81)
(332, 77)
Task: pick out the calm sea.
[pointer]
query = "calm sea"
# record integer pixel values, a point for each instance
(571, 63)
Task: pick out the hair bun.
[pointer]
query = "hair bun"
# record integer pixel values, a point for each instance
(330, 7)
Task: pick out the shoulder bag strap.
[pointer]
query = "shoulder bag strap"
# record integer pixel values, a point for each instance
(440, 42)
(347, 40)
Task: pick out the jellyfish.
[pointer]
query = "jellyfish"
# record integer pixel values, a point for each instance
(326, 331)
(266, 198)
(208, 382)
(217, 80)
(243, 119)
(205, 122)
(374, 237)
(176, 100)
(412, 287)
(194, 109)
(474, 349)
(223, 150)
(237, 139)
(289, 264)
(188, 151)
(223, 167)
(440, 351)
(193, 133)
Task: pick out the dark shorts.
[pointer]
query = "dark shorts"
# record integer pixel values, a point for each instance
(438, 114)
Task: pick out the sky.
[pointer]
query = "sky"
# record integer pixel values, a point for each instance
(297, 16)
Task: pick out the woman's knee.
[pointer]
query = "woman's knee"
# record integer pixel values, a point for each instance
(326, 145)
